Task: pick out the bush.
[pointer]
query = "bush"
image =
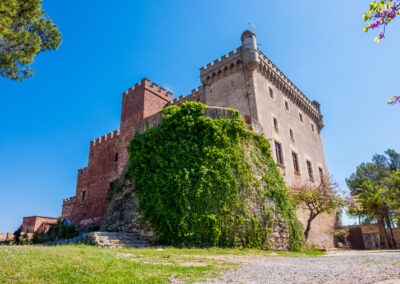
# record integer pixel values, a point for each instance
(59, 231)
(196, 179)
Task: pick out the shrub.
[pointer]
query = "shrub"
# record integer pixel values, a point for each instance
(209, 182)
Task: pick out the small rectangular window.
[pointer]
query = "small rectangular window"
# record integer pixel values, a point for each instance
(295, 162)
(276, 125)
(278, 151)
(287, 105)
(321, 174)
(310, 171)
(291, 134)
(301, 117)
(312, 127)
(271, 93)
(116, 157)
(83, 195)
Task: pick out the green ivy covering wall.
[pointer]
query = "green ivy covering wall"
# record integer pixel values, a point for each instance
(209, 182)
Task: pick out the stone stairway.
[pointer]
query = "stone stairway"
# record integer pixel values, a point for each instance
(115, 239)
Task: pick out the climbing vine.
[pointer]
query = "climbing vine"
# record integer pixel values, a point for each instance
(209, 182)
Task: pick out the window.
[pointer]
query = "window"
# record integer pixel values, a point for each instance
(321, 173)
(83, 195)
(301, 117)
(287, 105)
(271, 93)
(278, 150)
(309, 169)
(276, 125)
(312, 127)
(291, 134)
(295, 162)
(116, 157)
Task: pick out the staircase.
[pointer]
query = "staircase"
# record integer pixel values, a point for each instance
(117, 240)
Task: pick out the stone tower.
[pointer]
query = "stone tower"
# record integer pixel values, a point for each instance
(249, 50)
(246, 80)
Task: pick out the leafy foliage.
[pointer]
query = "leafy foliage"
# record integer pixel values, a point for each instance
(24, 32)
(380, 173)
(380, 14)
(197, 187)
(59, 231)
(392, 193)
(318, 199)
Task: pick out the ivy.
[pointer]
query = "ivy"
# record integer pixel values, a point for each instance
(209, 182)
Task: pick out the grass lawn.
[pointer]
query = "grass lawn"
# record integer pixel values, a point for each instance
(90, 264)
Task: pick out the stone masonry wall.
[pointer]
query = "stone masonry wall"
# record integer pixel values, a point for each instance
(122, 210)
(37, 224)
(242, 80)
(108, 155)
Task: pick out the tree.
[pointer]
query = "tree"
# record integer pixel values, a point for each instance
(379, 172)
(380, 168)
(318, 199)
(392, 185)
(371, 198)
(354, 208)
(379, 15)
(24, 33)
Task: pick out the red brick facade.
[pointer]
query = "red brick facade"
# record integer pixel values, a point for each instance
(31, 225)
(37, 224)
(108, 155)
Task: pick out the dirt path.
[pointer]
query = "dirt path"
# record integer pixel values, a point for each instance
(340, 267)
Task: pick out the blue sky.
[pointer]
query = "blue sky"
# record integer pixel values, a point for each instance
(75, 96)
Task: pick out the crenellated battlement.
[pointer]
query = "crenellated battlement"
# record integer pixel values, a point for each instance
(151, 86)
(156, 119)
(221, 65)
(83, 171)
(271, 72)
(69, 200)
(195, 96)
(105, 138)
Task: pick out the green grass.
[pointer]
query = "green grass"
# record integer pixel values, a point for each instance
(90, 264)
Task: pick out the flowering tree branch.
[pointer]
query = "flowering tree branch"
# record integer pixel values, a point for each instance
(379, 15)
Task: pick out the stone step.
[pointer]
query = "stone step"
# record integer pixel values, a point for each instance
(113, 239)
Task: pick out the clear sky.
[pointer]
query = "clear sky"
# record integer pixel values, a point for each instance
(75, 96)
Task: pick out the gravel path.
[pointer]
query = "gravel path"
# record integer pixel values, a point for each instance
(339, 267)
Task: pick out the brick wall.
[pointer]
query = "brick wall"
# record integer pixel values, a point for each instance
(108, 155)
(37, 224)
(2, 237)
(10, 237)
(231, 81)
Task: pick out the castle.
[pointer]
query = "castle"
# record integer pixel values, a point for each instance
(245, 80)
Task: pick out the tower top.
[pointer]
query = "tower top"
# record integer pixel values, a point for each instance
(247, 34)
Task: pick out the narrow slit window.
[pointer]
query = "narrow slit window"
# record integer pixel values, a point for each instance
(278, 151)
(312, 127)
(295, 162)
(116, 157)
(276, 125)
(83, 195)
(301, 117)
(310, 171)
(287, 105)
(321, 174)
(291, 134)
(271, 93)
